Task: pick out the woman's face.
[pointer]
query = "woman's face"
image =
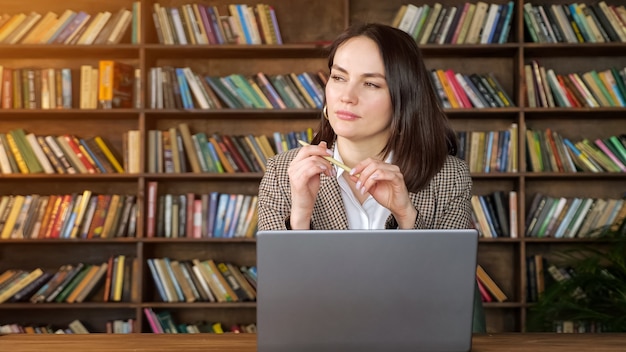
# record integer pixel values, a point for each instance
(357, 95)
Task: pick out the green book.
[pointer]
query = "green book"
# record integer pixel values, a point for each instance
(26, 150)
(72, 285)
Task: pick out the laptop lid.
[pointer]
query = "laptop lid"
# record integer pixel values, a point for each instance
(365, 290)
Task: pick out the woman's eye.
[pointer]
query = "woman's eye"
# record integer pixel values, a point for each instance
(336, 78)
(373, 85)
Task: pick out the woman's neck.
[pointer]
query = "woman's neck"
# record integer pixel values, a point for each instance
(355, 152)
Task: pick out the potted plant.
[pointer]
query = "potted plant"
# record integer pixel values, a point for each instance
(595, 292)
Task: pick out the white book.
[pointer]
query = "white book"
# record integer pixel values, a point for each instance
(178, 26)
(41, 156)
(5, 165)
(409, 15)
(489, 23)
(445, 27)
(469, 92)
(196, 89)
(94, 28)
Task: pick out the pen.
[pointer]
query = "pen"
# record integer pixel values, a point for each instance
(329, 158)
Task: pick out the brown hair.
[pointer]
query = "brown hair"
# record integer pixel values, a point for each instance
(421, 137)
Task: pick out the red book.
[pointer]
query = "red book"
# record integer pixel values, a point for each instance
(61, 216)
(83, 159)
(151, 211)
(484, 294)
(458, 90)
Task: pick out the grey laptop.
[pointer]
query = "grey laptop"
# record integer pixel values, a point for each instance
(369, 290)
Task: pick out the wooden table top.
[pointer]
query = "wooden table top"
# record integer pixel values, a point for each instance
(511, 342)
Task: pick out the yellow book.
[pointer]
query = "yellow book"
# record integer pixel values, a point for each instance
(19, 158)
(105, 84)
(259, 92)
(303, 91)
(11, 25)
(198, 19)
(119, 278)
(23, 28)
(16, 287)
(93, 269)
(265, 25)
(265, 145)
(490, 284)
(82, 208)
(65, 16)
(447, 88)
(109, 155)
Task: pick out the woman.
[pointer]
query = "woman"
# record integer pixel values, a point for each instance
(382, 119)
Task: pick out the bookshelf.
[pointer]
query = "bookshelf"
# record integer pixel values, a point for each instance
(304, 34)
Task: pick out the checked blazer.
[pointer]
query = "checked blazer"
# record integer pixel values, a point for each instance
(443, 204)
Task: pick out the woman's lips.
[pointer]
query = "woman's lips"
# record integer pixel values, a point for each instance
(346, 115)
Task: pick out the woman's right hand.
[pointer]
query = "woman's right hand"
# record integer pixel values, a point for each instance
(304, 178)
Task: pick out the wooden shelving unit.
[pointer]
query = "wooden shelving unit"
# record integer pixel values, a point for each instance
(306, 25)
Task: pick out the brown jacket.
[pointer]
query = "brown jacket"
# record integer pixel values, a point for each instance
(443, 204)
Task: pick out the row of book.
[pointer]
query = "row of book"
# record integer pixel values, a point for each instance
(192, 24)
(548, 151)
(74, 327)
(591, 89)
(72, 283)
(111, 84)
(182, 88)
(75, 215)
(27, 153)
(468, 23)
(489, 151)
(575, 23)
(487, 287)
(495, 214)
(208, 215)
(456, 90)
(162, 322)
(202, 280)
(572, 217)
(178, 150)
(70, 27)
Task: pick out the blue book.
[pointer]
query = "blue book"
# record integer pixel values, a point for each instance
(495, 24)
(245, 24)
(184, 89)
(229, 215)
(310, 91)
(176, 284)
(99, 164)
(211, 213)
(157, 280)
(222, 205)
(506, 26)
(488, 216)
(489, 147)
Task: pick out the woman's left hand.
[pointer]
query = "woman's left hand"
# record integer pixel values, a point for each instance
(386, 184)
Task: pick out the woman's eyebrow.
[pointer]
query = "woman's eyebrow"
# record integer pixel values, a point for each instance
(373, 74)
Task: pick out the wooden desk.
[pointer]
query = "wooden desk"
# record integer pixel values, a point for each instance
(247, 343)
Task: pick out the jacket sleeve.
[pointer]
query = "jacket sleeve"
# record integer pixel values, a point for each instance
(274, 199)
(455, 191)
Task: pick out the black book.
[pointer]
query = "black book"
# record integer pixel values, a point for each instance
(437, 26)
(483, 90)
(605, 25)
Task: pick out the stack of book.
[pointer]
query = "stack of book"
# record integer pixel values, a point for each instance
(549, 151)
(456, 90)
(163, 323)
(182, 88)
(206, 280)
(571, 217)
(575, 23)
(479, 23)
(489, 151)
(203, 24)
(70, 27)
(73, 215)
(595, 88)
(26, 153)
(495, 214)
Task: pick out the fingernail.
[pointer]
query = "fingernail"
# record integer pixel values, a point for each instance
(323, 167)
(329, 152)
(363, 190)
(358, 184)
(352, 172)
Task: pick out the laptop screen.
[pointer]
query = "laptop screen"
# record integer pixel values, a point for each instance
(365, 290)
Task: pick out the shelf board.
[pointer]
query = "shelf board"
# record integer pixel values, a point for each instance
(259, 114)
(160, 51)
(199, 305)
(79, 114)
(577, 49)
(60, 51)
(69, 306)
(196, 240)
(469, 50)
(72, 241)
(575, 175)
